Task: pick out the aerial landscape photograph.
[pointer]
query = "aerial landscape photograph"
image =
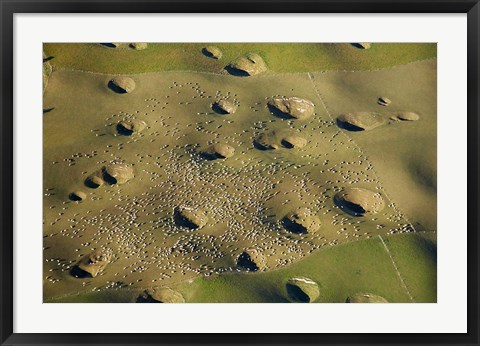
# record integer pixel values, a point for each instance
(239, 172)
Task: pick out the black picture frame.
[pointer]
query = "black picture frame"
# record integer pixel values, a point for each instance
(10, 7)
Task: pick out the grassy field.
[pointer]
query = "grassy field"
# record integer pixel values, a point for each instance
(416, 260)
(247, 195)
(47, 71)
(362, 266)
(288, 57)
(404, 154)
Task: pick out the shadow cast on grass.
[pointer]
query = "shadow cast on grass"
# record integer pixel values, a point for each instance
(293, 227)
(208, 54)
(216, 108)
(109, 45)
(348, 127)
(123, 131)
(357, 45)
(181, 221)
(116, 88)
(259, 146)
(278, 113)
(236, 72)
(79, 273)
(297, 294)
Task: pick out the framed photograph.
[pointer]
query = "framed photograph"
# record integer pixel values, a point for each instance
(274, 172)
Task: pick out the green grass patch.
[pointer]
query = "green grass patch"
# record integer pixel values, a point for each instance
(361, 266)
(280, 57)
(106, 296)
(47, 71)
(416, 259)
